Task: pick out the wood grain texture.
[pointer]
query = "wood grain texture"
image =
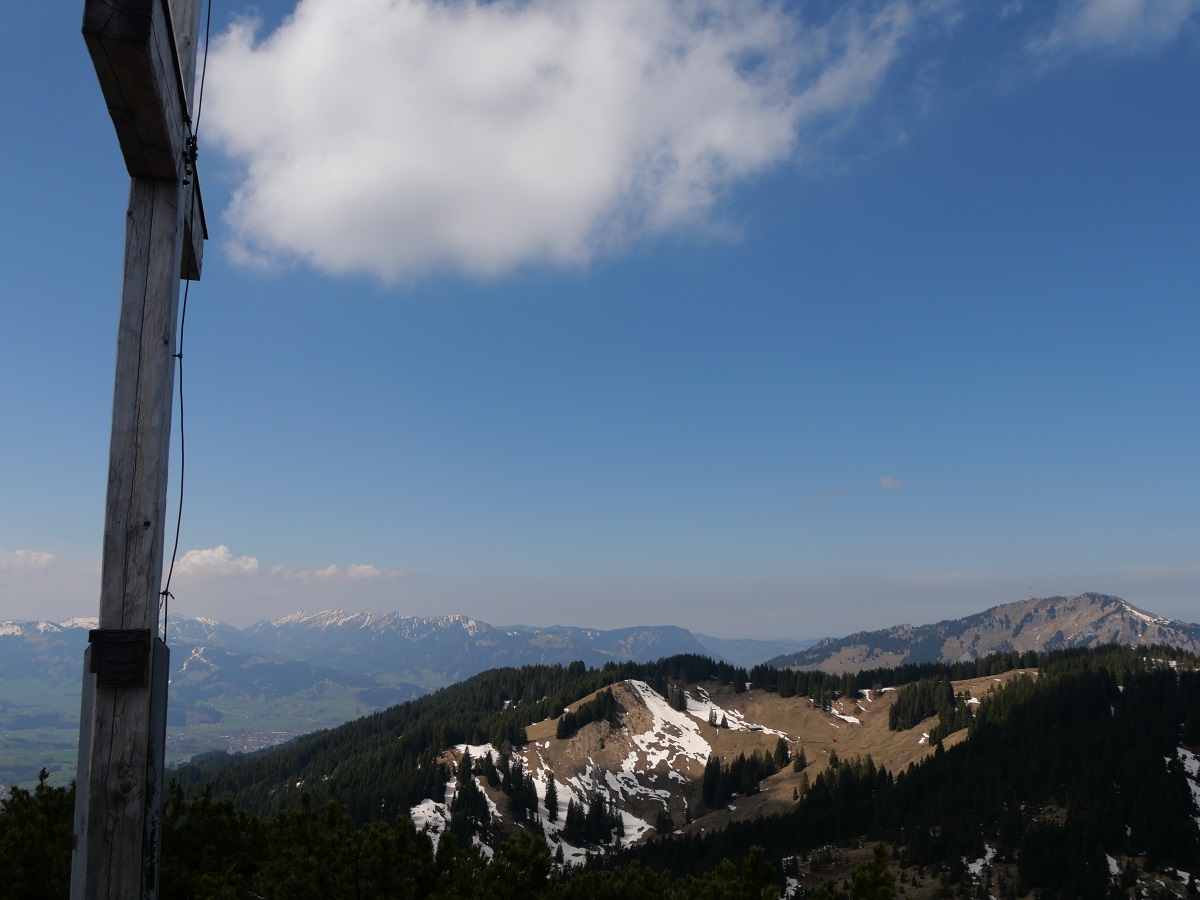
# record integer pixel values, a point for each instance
(131, 564)
(133, 50)
(185, 25)
(118, 823)
(122, 768)
(142, 74)
(87, 703)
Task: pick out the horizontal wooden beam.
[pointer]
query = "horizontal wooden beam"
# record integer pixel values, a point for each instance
(133, 48)
(132, 45)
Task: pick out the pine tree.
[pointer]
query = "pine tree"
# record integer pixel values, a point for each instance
(781, 753)
(574, 824)
(664, 824)
(551, 797)
(712, 774)
(464, 766)
(677, 698)
(872, 880)
(800, 761)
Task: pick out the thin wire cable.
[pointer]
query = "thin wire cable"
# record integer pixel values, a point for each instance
(166, 595)
(203, 69)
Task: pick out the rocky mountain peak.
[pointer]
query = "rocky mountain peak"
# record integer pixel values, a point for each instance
(1036, 623)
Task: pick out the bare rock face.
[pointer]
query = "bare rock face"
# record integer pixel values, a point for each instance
(1039, 623)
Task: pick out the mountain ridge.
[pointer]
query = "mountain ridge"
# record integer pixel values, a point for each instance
(413, 647)
(1089, 619)
(241, 689)
(783, 759)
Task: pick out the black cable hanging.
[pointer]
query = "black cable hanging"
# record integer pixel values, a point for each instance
(190, 153)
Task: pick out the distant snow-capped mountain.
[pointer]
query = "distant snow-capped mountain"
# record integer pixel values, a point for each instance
(438, 650)
(241, 689)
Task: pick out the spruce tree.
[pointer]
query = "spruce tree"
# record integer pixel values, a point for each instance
(800, 761)
(664, 824)
(781, 753)
(551, 797)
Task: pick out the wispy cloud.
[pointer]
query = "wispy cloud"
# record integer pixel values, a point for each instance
(888, 483)
(398, 138)
(334, 573)
(204, 565)
(1122, 26)
(829, 493)
(23, 562)
(371, 573)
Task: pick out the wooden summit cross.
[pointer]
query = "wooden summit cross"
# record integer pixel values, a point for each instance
(144, 52)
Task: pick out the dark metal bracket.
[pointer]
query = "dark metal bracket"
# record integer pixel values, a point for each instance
(119, 656)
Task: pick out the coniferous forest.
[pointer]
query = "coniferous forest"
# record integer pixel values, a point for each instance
(1058, 775)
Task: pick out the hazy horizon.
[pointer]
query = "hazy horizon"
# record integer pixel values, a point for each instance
(242, 624)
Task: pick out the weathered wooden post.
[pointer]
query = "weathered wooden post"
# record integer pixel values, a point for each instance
(144, 52)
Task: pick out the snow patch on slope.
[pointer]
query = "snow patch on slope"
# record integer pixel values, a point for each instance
(478, 751)
(704, 708)
(1144, 616)
(581, 788)
(976, 867)
(1191, 766)
(433, 816)
(672, 734)
(672, 741)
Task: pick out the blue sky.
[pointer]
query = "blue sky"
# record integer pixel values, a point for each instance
(766, 320)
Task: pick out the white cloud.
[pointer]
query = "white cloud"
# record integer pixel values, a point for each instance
(23, 562)
(890, 484)
(310, 576)
(204, 565)
(334, 573)
(1123, 26)
(398, 137)
(371, 573)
